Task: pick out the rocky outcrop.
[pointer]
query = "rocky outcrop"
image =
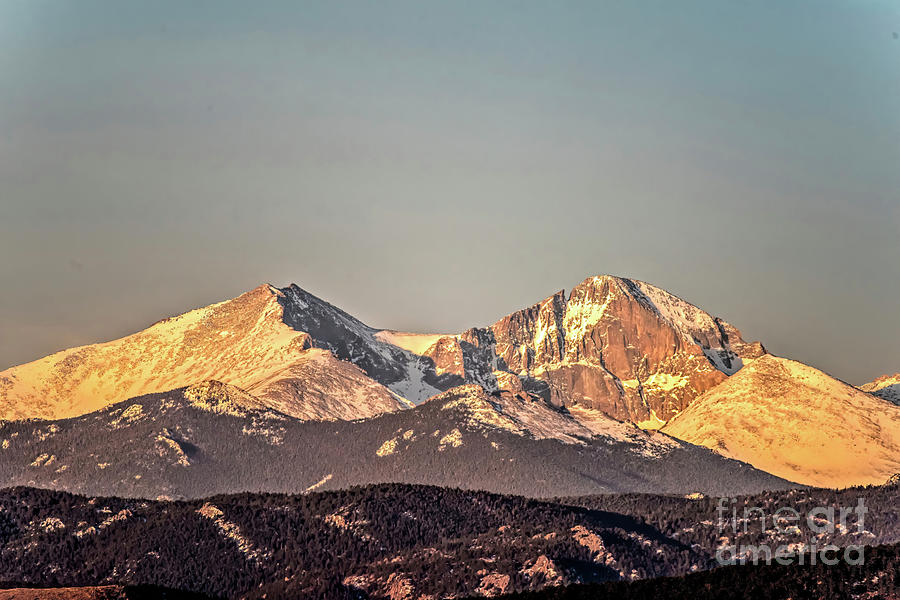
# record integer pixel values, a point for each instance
(492, 583)
(541, 572)
(620, 346)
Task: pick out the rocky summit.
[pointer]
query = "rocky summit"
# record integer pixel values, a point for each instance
(621, 346)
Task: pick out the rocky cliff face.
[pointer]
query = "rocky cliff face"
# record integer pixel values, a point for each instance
(620, 346)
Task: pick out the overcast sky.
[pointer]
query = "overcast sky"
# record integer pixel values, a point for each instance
(432, 167)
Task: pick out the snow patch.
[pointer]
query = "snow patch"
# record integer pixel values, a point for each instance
(319, 483)
(232, 532)
(387, 448)
(451, 440)
(417, 343)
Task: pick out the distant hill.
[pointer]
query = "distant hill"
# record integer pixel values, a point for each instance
(886, 386)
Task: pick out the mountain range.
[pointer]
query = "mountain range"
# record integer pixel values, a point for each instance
(274, 446)
(282, 370)
(621, 346)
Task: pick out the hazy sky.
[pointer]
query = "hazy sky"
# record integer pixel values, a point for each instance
(433, 166)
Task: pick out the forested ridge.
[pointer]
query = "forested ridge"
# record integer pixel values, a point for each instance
(877, 579)
(695, 521)
(360, 542)
(161, 445)
(372, 542)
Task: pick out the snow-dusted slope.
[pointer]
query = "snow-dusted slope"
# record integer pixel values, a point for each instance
(318, 386)
(417, 343)
(886, 386)
(410, 377)
(533, 418)
(796, 422)
(247, 342)
(719, 341)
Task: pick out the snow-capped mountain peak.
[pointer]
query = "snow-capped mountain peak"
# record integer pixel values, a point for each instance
(886, 386)
(619, 346)
(248, 342)
(615, 345)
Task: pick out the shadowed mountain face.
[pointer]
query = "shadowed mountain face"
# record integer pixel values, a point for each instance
(213, 438)
(619, 346)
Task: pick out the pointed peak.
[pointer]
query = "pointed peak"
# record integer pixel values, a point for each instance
(604, 286)
(634, 287)
(263, 288)
(274, 290)
(606, 278)
(296, 288)
(881, 381)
